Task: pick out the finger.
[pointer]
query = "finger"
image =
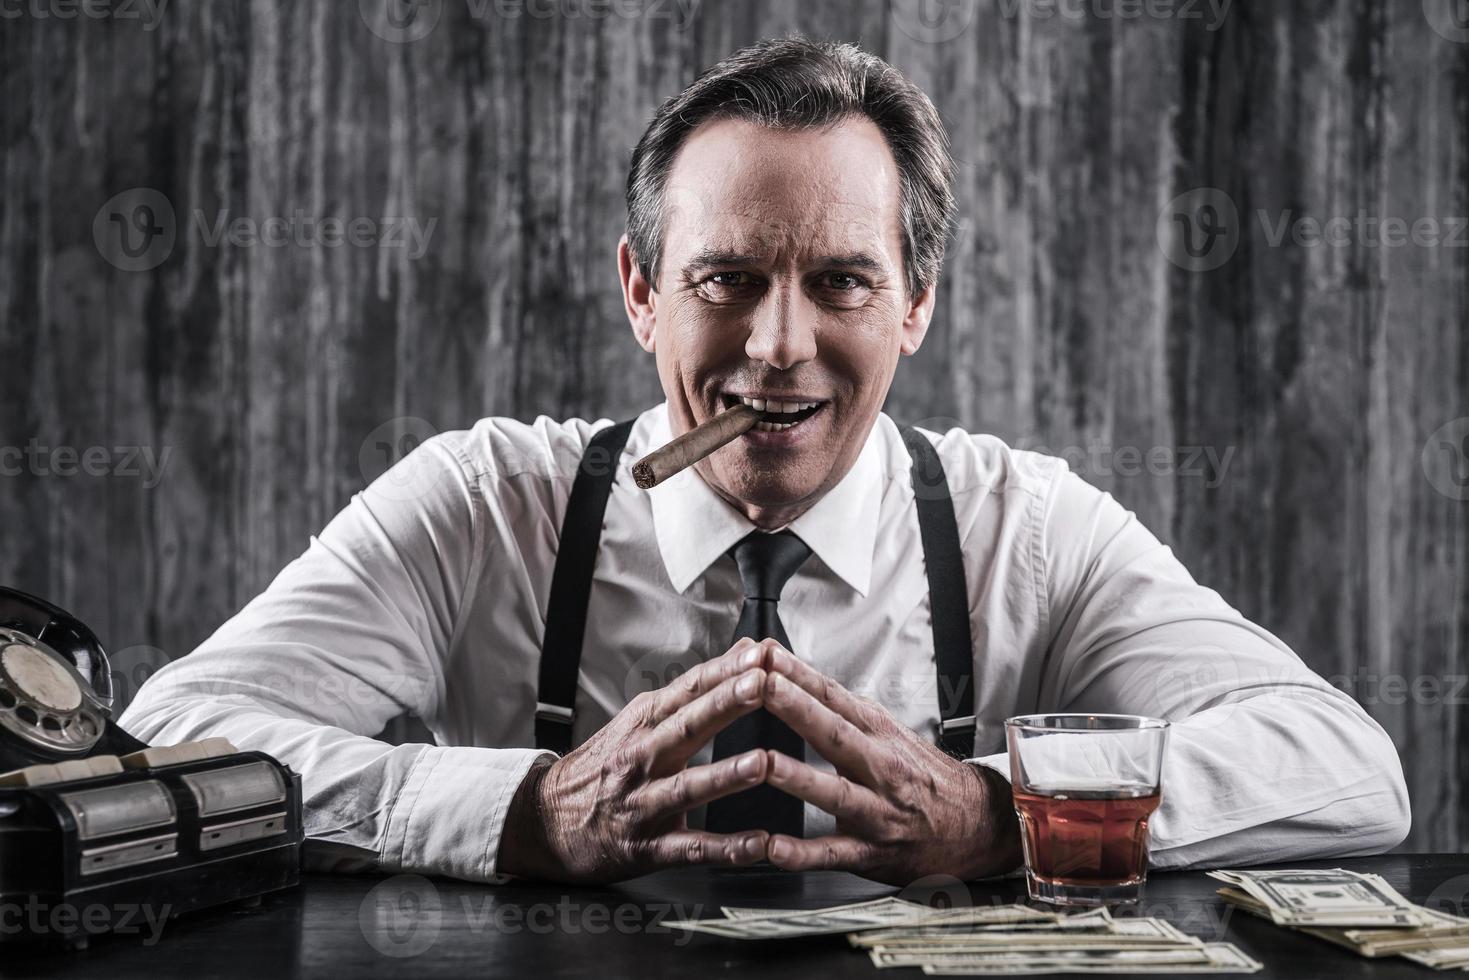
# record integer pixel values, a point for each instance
(838, 852)
(684, 847)
(836, 794)
(698, 785)
(825, 689)
(744, 655)
(835, 738)
(684, 732)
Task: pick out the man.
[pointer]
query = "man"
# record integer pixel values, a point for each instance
(787, 215)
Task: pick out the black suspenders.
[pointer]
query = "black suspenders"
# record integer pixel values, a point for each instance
(948, 596)
(571, 585)
(581, 532)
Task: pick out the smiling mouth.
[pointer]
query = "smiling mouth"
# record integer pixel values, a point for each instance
(776, 415)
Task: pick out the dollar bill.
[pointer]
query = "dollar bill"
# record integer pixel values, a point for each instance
(1441, 943)
(810, 922)
(1004, 939)
(1210, 958)
(1123, 934)
(1098, 921)
(1440, 959)
(1335, 897)
(936, 918)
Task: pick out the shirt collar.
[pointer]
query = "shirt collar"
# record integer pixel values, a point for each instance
(695, 525)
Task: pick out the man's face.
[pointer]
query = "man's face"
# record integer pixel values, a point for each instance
(782, 280)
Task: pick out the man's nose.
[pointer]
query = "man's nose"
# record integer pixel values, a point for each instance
(784, 331)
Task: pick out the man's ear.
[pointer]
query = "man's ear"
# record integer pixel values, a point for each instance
(915, 323)
(638, 296)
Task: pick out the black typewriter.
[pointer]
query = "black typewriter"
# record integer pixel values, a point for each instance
(97, 827)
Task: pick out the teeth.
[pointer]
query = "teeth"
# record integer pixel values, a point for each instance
(773, 426)
(772, 405)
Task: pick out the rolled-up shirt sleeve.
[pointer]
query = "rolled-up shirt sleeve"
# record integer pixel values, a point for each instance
(348, 636)
(1266, 761)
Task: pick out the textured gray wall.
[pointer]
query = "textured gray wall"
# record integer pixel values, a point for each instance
(183, 404)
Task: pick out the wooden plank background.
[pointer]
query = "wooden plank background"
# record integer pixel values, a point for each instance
(271, 376)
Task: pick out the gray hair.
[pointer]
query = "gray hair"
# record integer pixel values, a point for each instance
(796, 83)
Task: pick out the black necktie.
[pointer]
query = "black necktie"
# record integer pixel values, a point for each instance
(766, 562)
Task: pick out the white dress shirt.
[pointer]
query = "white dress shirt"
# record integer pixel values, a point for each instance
(428, 593)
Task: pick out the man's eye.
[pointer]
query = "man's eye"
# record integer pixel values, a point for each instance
(842, 281)
(731, 279)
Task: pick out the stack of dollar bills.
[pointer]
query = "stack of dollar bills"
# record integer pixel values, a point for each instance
(1002, 939)
(1359, 911)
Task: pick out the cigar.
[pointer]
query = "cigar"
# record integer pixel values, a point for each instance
(693, 446)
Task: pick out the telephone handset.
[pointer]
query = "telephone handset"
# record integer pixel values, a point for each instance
(55, 687)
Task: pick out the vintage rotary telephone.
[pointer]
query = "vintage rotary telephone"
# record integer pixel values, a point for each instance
(55, 687)
(94, 823)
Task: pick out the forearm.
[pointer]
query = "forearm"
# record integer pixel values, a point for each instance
(368, 805)
(1292, 774)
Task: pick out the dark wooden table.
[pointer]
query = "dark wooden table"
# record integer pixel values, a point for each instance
(409, 926)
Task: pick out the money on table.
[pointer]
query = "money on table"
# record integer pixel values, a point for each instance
(1391, 927)
(1002, 939)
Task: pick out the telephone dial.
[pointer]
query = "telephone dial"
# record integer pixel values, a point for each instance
(95, 822)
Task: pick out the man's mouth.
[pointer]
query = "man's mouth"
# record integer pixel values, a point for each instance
(777, 414)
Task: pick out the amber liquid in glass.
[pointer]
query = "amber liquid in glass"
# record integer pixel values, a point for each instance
(1087, 838)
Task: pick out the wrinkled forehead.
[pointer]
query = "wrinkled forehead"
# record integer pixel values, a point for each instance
(783, 195)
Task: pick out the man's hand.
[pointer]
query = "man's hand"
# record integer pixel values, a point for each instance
(904, 808)
(616, 805)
